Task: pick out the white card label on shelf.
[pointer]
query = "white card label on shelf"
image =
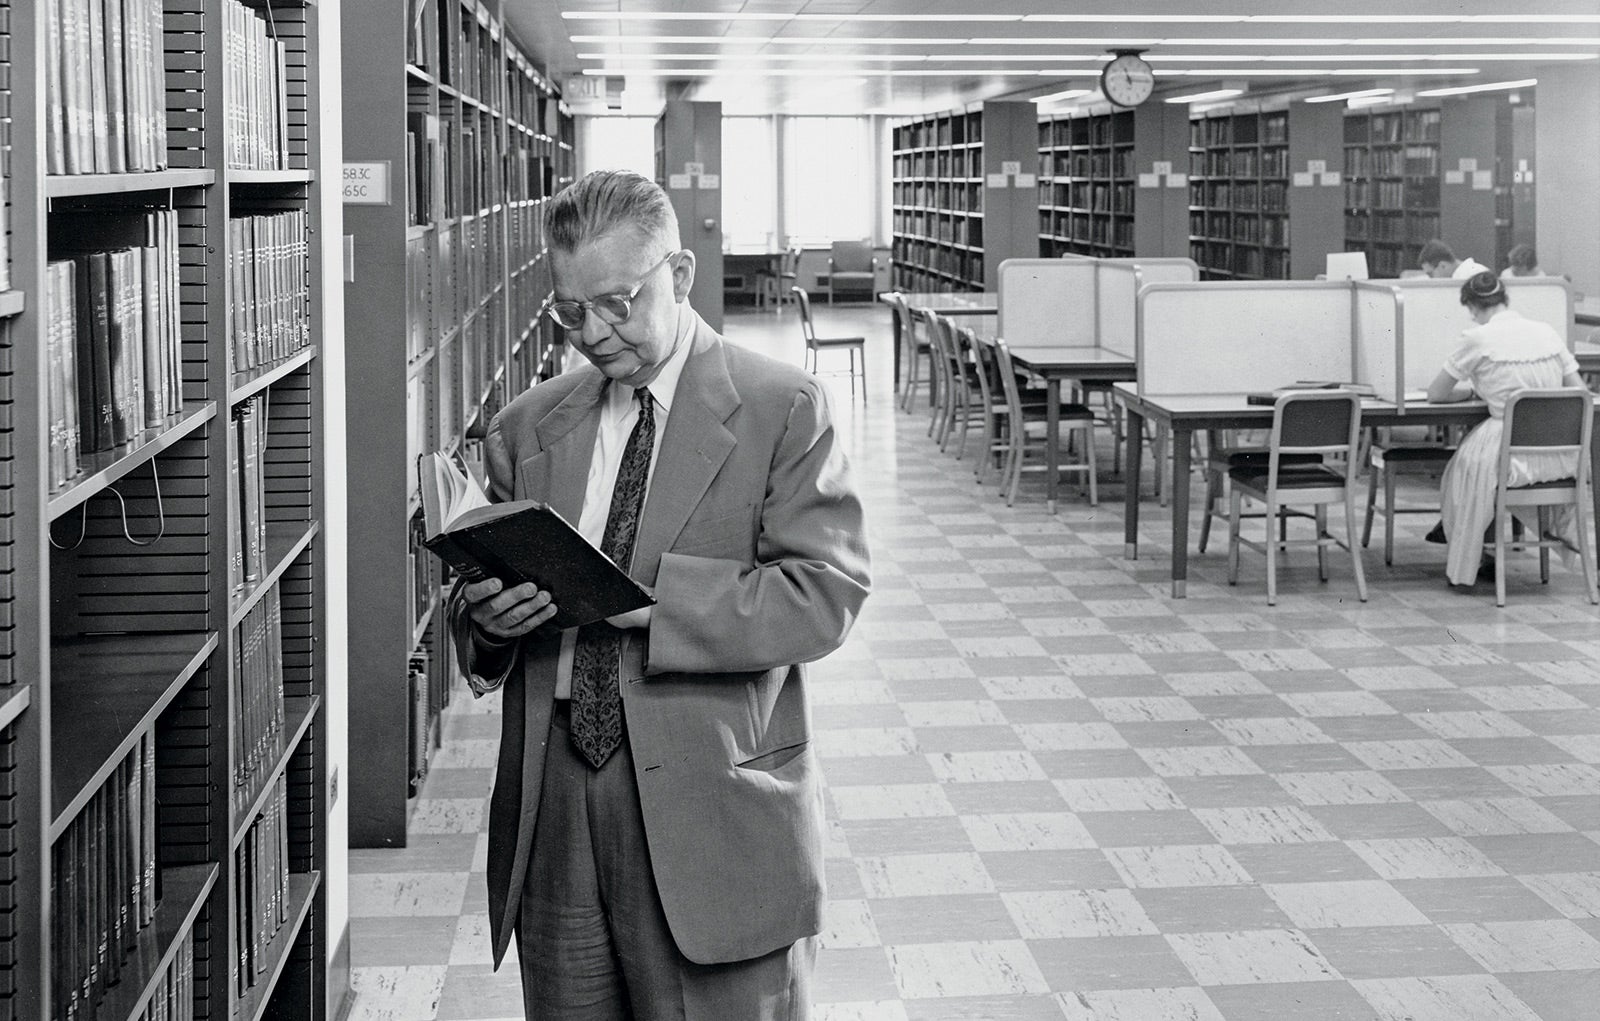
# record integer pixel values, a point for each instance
(679, 181)
(694, 169)
(1304, 178)
(1162, 166)
(1149, 180)
(1177, 180)
(1454, 177)
(1317, 166)
(366, 184)
(710, 181)
(997, 180)
(1011, 167)
(1027, 180)
(1482, 180)
(1331, 178)
(1469, 164)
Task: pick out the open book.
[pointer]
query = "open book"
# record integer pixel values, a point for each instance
(1363, 389)
(520, 541)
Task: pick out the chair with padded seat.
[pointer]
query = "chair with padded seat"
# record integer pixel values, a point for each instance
(1324, 423)
(1028, 426)
(1223, 455)
(852, 264)
(914, 348)
(855, 346)
(1554, 421)
(1385, 463)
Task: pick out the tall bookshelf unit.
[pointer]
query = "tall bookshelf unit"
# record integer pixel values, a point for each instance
(478, 140)
(1258, 208)
(119, 651)
(1091, 200)
(953, 222)
(1392, 185)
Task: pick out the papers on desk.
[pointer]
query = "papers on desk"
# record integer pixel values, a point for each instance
(1416, 396)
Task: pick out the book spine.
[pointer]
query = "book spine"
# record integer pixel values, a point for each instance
(79, 395)
(251, 506)
(116, 94)
(98, 114)
(55, 91)
(94, 344)
(55, 400)
(147, 888)
(155, 355)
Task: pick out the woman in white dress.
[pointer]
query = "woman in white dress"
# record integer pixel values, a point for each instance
(1503, 354)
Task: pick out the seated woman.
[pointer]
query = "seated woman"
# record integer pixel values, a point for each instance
(1502, 354)
(1522, 261)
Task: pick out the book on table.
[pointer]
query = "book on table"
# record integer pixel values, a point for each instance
(1304, 385)
(520, 541)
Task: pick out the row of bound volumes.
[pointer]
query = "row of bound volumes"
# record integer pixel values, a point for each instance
(247, 468)
(173, 999)
(422, 144)
(269, 296)
(103, 884)
(113, 342)
(255, 91)
(258, 718)
(421, 720)
(105, 86)
(261, 892)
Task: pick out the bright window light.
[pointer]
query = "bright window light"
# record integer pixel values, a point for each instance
(1461, 90)
(1203, 97)
(1359, 94)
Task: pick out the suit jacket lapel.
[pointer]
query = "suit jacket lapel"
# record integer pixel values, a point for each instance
(558, 473)
(695, 445)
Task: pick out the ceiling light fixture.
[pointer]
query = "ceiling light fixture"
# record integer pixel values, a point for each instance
(1461, 90)
(1359, 94)
(1055, 97)
(1204, 97)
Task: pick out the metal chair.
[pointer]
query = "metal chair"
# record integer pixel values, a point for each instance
(1554, 421)
(854, 345)
(1323, 423)
(1028, 427)
(939, 362)
(1390, 460)
(776, 283)
(913, 349)
(851, 262)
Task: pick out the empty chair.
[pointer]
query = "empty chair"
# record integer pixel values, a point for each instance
(856, 346)
(1028, 426)
(1555, 421)
(939, 364)
(1323, 423)
(776, 282)
(852, 264)
(1223, 455)
(914, 348)
(1385, 463)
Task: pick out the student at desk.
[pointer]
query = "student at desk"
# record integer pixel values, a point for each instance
(1502, 354)
(1439, 262)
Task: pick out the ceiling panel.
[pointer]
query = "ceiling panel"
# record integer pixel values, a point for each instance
(911, 56)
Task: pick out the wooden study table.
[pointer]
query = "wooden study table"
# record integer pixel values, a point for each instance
(970, 303)
(1054, 364)
(1587, 311)
(1186, 413)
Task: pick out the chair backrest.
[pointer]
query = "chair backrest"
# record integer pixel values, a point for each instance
(851, 257)
(1007, 371)
(803, 300)
(789, 262)
(1326, 422)
(937, 358)
(983, 364)
(1558, 420)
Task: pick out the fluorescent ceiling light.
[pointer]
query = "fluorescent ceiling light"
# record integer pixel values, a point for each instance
(1276, 42)
(1347, 57)
(1067, 94)
(1202, 97)
(1121, 18)
(745, 58)
(1301, 72)
(774, 40)
(1355, 102)
(1461, 90)
(1360, 94)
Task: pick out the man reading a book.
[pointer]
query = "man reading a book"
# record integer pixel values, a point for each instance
(655, 829)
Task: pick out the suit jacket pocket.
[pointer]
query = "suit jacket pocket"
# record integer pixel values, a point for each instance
(730, 535)
(770, 762)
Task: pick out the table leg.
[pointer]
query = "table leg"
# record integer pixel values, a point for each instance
(1594, 489)
(1182, 437)
(1052, 453)
(1134, 431)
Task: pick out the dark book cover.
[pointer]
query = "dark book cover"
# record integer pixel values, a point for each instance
(94, 347)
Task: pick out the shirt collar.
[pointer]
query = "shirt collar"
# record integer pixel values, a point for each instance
(664, 387)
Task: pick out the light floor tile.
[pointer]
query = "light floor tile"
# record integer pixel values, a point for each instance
(1343, 905)
(1527, 946)
(864, 741)
(953, 713)
(1220, 760)
(1055, 914)
(1241, 958)
(1444, 998)
(1118, 794)
(1425, 858)
(1341, 788)
(1180, 1004)
(985, 767)
(1267, 824)
(922, 875)
(1272, 730)
(407, 893)
(1177, 865)
(1574, 894)
(1026, 831)
(1041, 737)
(1492, 816)
(965, 969)
(874, 1010)
(899, 801)
(408, 993)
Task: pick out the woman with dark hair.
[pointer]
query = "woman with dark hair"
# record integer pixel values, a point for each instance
(1522, 261)
(1499, 356)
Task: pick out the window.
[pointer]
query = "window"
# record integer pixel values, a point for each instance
(749, 209)
(617, 143)
(828, 179)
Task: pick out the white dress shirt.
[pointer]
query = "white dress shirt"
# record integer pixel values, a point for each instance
(619, 411)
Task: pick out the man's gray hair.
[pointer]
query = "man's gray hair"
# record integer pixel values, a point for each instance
(604, 202)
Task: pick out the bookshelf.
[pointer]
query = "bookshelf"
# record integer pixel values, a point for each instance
(477, 139)
(163, 747)
(952, 225)
(1259, 207)
(1096, 196)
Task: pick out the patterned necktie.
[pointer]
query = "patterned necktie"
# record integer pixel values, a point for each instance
(597, 660)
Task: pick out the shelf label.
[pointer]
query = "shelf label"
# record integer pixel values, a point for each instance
(1162, 168)
(694, 169)
(1304, 178)
(1483, 180)
(1027, 180)
(1455, 177)
(366, 184)
(1317, 166)
(1177, 180)
(710, 182)
(1011, 168)
(679, 181)
(1469, 164)
(1332, 178)
(1149, 180)
(997, 180)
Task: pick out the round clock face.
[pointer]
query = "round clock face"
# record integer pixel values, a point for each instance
(1127, 80)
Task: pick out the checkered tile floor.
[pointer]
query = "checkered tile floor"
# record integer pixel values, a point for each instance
(1054, 792)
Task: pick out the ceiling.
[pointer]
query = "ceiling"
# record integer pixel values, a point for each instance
(898, 57)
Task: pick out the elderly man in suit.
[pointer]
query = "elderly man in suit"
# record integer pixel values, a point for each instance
(655, 828)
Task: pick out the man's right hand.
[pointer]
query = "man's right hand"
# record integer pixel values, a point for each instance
(507, 614)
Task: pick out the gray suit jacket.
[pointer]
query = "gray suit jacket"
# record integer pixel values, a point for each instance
(752, 537)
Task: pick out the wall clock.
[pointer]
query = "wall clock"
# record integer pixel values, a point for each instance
(1127, 80)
